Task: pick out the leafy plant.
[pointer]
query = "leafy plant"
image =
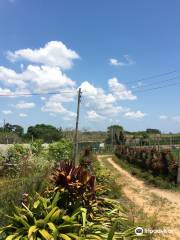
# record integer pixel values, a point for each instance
(37, 147)
(61, 150)
(43, 219)
(76, 185)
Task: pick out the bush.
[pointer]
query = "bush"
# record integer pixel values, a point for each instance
(60, 150)
(37, 147)
(16, 153)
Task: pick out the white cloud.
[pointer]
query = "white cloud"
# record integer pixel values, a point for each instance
(96, 99)
(54, 53)
(93, 116)
(119, 90)
(25, 105)
(128, 61)
(5, 91)
(53, 106)
(23, 115)
(10, 77)
(135, 115)
(43, 98)
(176, 118)
(163, 117)
(6, 112)
(41, 78)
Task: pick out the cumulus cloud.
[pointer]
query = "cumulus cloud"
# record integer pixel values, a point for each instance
(119, 90)
(93, 116)
(54, 105)
(6, 112)
(25, 105)
(54, 53)
(23, 115)
(96, 99)
(135, 115)
(128, 61)
(41, 78)
(42, 70)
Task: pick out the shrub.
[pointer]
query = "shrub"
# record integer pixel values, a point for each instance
(60, 150)
(37, 147)
(16, 153)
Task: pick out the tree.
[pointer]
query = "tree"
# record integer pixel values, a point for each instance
(115, 135)
(47, 133)
(153, 131)
(12, 128)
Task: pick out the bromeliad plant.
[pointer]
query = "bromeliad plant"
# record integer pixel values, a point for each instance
(77, 186)
(43, 219)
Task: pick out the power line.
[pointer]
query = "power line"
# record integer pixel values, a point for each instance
(35, 94)
(158, 82)
(152, 76)
(159, 87)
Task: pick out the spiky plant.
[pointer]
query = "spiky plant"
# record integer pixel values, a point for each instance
(77, 186)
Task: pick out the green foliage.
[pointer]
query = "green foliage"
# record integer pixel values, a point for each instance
(61, 150)
(11, 191)
(47, 133)
(153, 131)
(37, 147)
(43, 219)
(12, 128)
(16, 153)
(106, 184)
(115, 135)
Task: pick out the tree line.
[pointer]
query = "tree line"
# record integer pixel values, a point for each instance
(10, 133)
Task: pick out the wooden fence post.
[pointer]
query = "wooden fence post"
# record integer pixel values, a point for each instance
(178, 173)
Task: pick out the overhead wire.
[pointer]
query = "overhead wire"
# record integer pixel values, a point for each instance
(134, 81)
(153, 76)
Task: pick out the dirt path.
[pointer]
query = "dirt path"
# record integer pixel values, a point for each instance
(165, 204)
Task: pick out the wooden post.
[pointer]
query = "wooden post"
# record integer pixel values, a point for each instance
(77, 124)
(178, 173)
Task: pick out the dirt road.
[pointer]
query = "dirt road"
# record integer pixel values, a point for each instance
(164, 203)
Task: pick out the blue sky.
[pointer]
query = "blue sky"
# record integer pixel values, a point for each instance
(48, 46)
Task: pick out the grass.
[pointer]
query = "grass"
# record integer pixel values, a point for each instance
(11, 191)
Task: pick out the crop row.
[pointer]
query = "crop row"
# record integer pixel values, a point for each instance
(159, 163)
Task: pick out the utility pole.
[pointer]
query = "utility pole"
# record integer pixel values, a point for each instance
(77, 124)
(5, 131)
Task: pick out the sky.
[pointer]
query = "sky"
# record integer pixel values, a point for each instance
(123, 54)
